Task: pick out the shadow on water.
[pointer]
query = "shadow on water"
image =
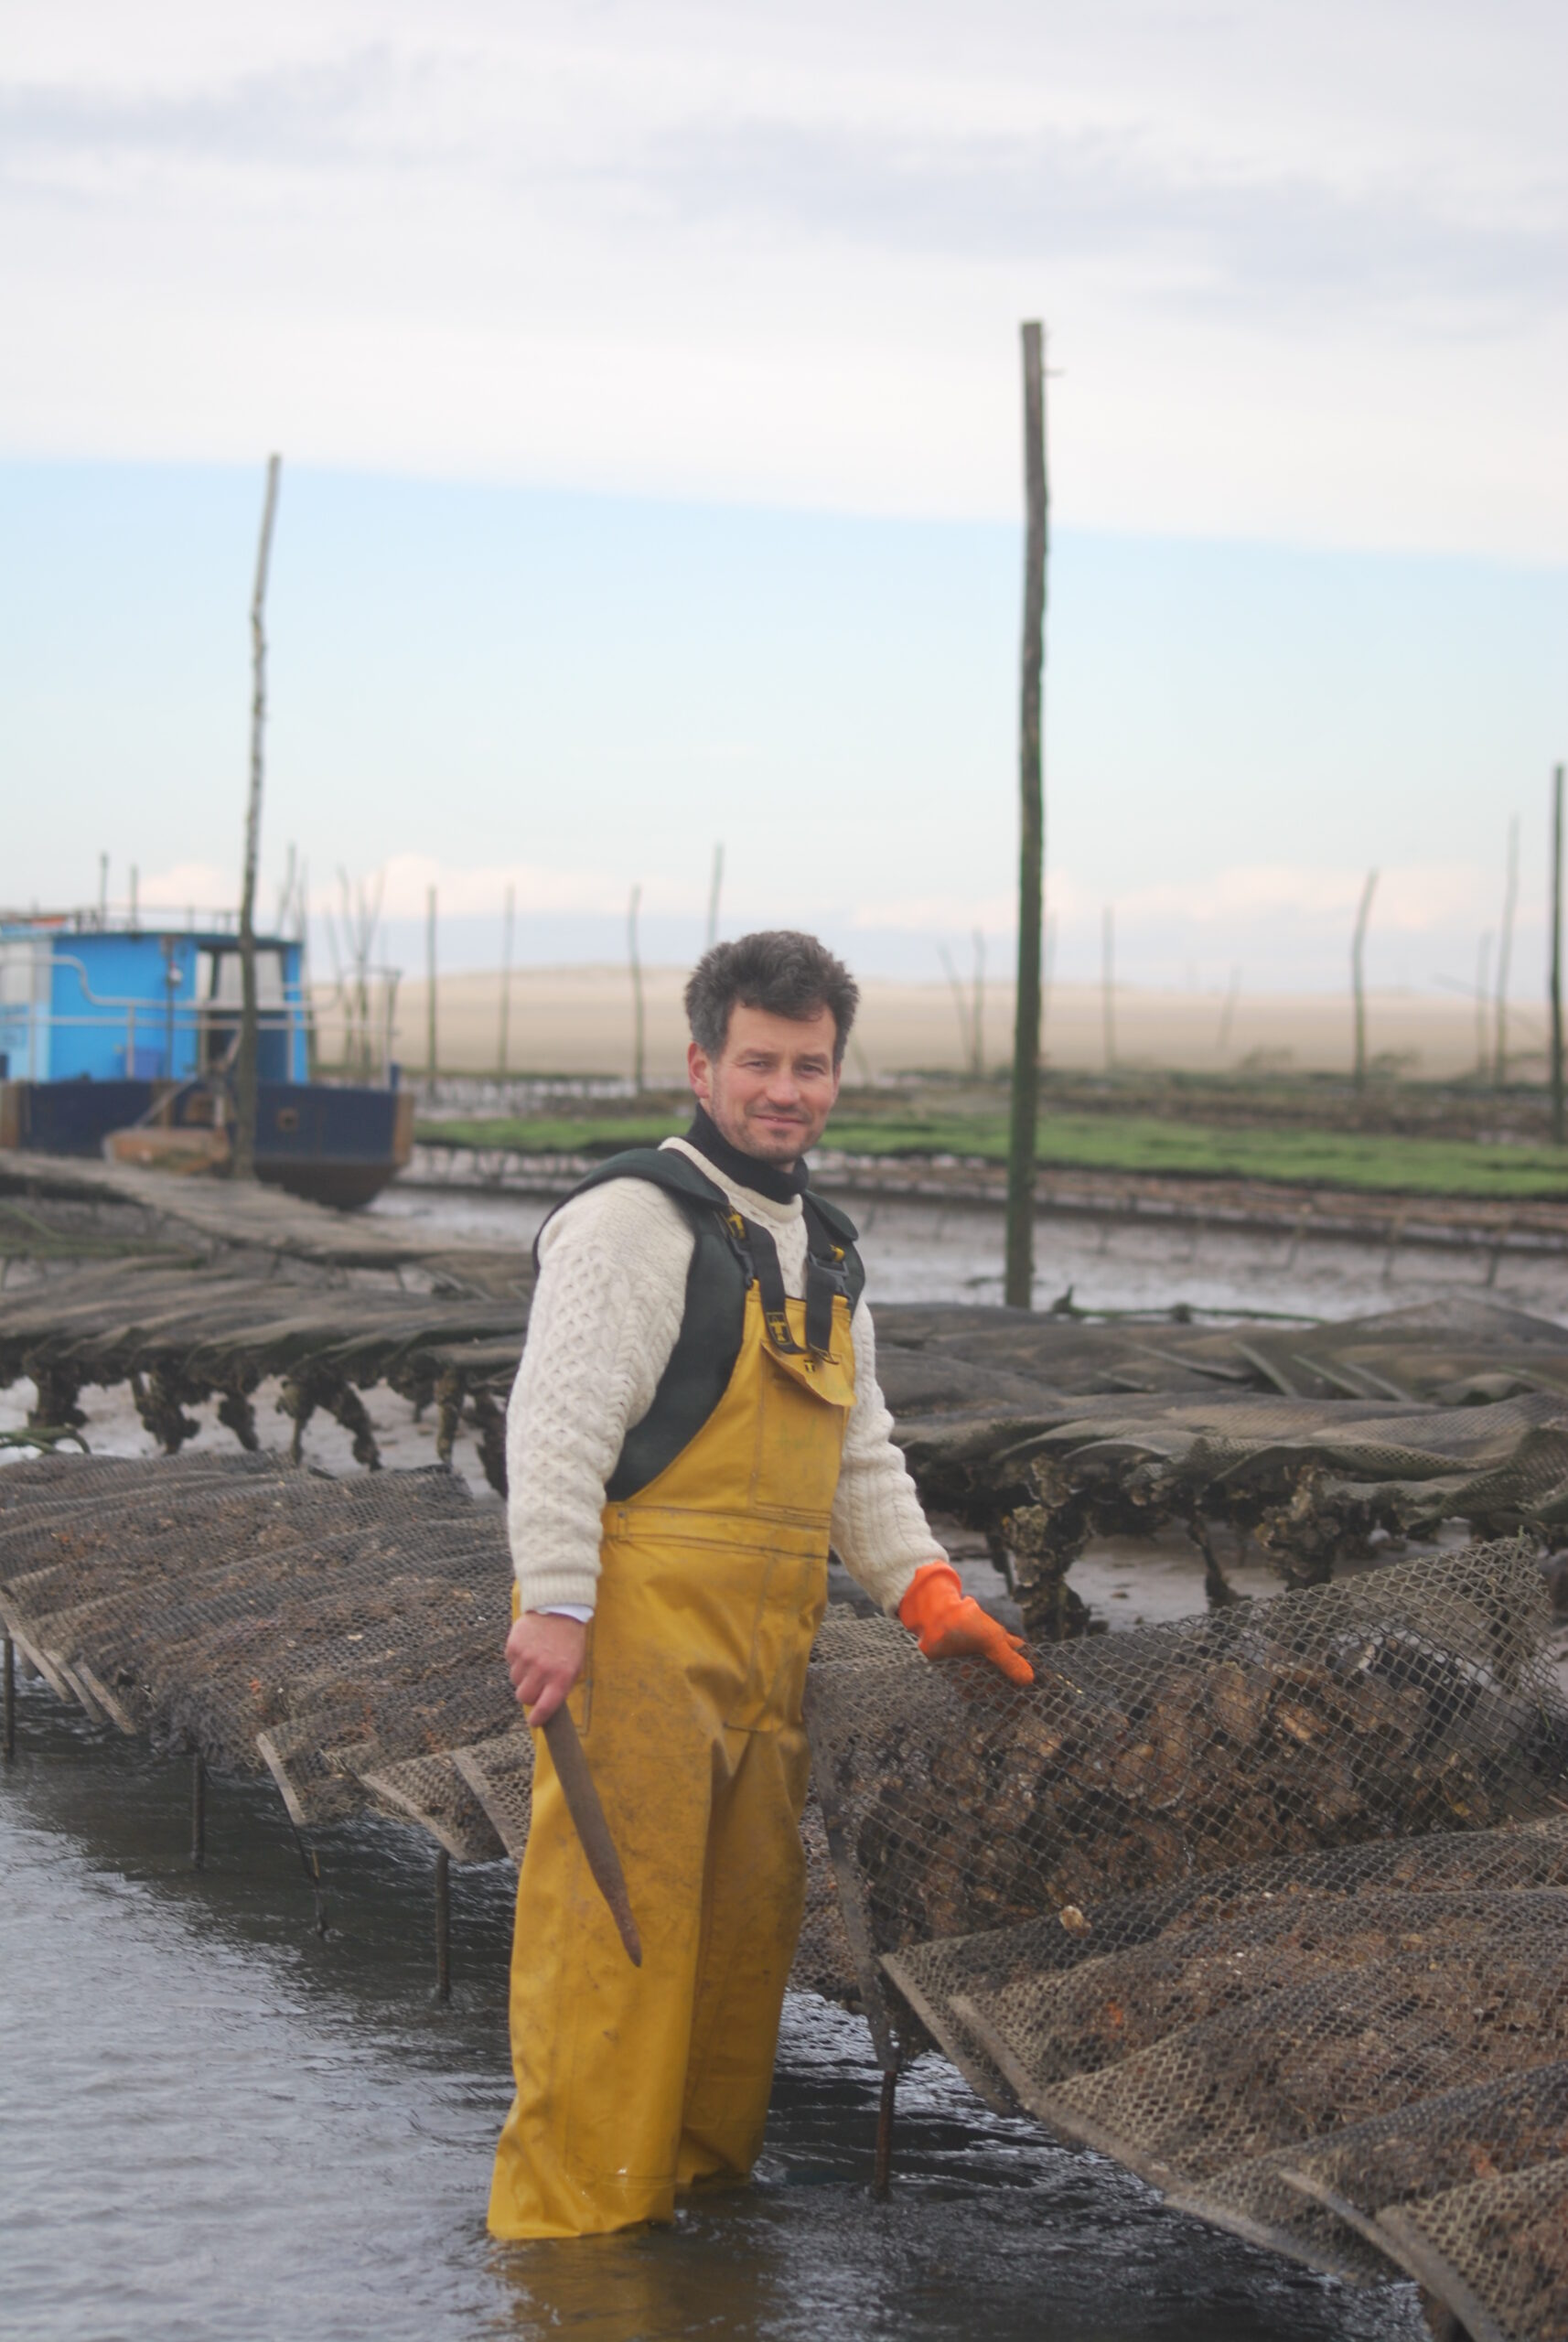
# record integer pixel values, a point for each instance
(220, 2125)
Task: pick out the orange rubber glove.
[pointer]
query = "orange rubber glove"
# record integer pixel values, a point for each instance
(951, 1625)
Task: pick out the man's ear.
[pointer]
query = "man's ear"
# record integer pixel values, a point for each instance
(699, 1073)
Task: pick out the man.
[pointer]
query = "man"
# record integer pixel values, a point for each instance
(695, 1418)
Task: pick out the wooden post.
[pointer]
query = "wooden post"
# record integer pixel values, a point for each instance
(430, 991)
(1557, 956)
(961, 1005)
(1357, 975)
(244, 1162)
(714, 885)
(977, 1014)
(508, 924)
(443, 1924)
(639, 1067)
(1018, 1282)
(882, 2168)
(1108, 983)
(1505, 957)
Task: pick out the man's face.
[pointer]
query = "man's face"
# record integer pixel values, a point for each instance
(773, 1085)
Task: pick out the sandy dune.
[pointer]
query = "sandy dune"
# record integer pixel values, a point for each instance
(579, 1020)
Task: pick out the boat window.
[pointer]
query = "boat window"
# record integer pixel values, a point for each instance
(217, 979)
(15, 974)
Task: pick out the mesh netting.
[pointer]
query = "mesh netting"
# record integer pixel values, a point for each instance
(1040, 1432)
(1364, 2021)
(1367, 2029)
(1318, 2200)
(346, 1634)
(1495, 2252)
(434, 1791)
(1408, 1700)
(930, 1977)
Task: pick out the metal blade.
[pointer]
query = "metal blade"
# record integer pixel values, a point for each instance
(587, 1814)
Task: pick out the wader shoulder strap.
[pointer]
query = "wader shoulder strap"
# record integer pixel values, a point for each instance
(833, 1266)
(701, 1364)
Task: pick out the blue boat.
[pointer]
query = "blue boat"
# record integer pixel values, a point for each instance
(121, 1039)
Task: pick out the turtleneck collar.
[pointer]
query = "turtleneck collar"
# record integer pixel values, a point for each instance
(770, 1179)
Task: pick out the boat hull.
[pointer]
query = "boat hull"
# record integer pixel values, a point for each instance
(338, 1146)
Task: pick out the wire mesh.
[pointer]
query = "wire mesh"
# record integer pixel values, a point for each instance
(1319, 2201)
(1270, 1905)
(1412, 1699)
(347, 1634)
(1306, 2058)
(1495, 2252)
(929, 1977)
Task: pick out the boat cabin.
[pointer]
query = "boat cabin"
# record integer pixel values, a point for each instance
(142, 1004)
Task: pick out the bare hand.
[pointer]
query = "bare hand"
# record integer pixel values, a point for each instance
(544, 1658)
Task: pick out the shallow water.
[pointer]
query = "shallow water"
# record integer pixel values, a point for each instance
(929, 1251)
(219, 2127)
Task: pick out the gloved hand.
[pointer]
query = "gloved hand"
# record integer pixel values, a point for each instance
(951, 1625)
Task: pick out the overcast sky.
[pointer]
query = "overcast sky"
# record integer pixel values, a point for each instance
(647, 378)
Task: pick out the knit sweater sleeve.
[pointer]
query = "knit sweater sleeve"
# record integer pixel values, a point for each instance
(878, 1528)
(606, 1315)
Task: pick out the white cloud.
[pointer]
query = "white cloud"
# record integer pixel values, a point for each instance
(1417, 899)
(189, 885)
(1302, 264)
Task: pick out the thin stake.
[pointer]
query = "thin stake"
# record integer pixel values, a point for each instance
(965, 1030)
(197, 1811)
(443, 1924)
(430, 991)
(244, 1159)
(10, 1670)
(1108, 985)
(882, 2175)
(977, 1014)
(639, 1065)
(1557, 956)
(1023, 1136)
(1357, 975)
(508, 923)
(715, 884)
(1505, 956)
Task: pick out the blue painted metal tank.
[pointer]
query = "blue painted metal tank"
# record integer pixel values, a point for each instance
(104, 1026)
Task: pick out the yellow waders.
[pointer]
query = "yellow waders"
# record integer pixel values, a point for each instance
(632, 2083)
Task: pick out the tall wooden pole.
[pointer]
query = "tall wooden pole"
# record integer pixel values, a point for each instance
(1557, 956)
(1505, 959)
(1108, 985)
(508, 924)
(244, 1159)
(639, 1053)
(1358, 975)
(977, 1014)
(715, 886)
(430, 991)
(1018, 1281)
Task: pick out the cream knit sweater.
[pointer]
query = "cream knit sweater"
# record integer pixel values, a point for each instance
(605, 1314)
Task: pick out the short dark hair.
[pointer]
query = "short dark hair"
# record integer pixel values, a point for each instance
(779, 970)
